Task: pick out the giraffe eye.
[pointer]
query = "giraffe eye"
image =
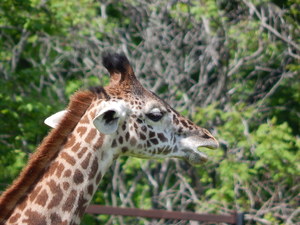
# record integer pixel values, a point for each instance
(155, 116)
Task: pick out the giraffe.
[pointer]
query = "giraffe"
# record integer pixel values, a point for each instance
(98, 126)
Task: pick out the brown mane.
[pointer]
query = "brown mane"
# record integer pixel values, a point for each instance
(45, 153)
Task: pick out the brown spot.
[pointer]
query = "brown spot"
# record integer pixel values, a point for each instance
(67, 173)
(174, 111)
(139, 120)
(85, 119)
(55, 218)
(75, 147)
(162, 137)
(68, 158)
(57, 194)
(148, 144)
(94, 168)
(151, 134)
(69, 203)
(184, 123)
(66, 185)
(81, 205)
(190, 122)
(42, 198)
(91, 135)
(142, 136)
(86, 161)
(81, 131)
(14, 218)
(99, 142)
(124, 149)
(135, 126)
(78, 177)
(114, 144)
(121, 140)
(81, 153)
(93, 113)
(35, 193)
(150, 127)
(133, 141)
(144, 128)
(59, 170)
(98, 178)
(90, 189)
(154, 141)
(180, 130)
(34, 218)
(127, 136)
(71, 141)
(175, 120)
(124, 126)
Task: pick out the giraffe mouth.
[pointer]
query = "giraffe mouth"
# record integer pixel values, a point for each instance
(195, 149)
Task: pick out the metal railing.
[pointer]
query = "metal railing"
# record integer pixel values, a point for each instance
(237, 218)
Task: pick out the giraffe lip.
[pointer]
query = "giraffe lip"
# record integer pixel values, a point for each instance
(195, 157)
(211, 144)
(203, 156)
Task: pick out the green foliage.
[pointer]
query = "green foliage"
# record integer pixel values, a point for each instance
(74, 85)
(275, 149)
(49, 50)
(267, 152)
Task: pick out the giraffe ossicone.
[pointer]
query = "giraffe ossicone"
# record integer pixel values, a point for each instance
(98, 126)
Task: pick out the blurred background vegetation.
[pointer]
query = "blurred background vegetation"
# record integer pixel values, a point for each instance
(231, 66)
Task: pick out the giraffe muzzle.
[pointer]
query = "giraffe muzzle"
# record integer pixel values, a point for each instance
(194, 148)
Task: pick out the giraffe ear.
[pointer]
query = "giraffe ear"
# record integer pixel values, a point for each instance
(53, 121)
(108, 119)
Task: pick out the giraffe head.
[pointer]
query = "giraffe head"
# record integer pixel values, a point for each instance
(138, 123)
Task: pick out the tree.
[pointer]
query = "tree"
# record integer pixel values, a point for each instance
(232, 66)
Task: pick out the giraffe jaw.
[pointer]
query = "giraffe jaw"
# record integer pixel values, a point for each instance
(194, 156)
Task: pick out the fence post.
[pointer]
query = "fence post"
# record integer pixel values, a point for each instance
(240, 219)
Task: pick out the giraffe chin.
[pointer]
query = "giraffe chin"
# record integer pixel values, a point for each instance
(194, 157)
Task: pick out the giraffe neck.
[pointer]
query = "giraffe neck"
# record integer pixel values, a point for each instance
(64, 191)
